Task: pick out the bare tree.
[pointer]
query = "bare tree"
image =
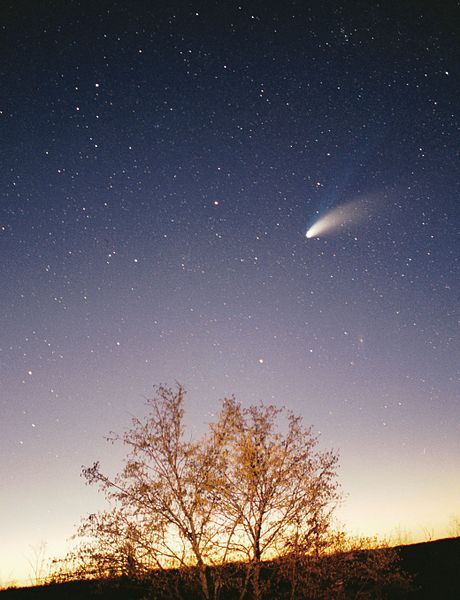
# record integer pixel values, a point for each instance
(455, 526)
(38, 563)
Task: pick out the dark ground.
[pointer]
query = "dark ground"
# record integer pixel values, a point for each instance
(434, 566)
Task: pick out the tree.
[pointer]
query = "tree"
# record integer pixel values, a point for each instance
(164, 505)
(247, 506)
(277, 489)
(38, 563)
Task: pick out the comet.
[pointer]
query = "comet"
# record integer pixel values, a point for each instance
(338, 218)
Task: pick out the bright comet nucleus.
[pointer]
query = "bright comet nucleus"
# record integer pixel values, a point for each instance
(313, 231)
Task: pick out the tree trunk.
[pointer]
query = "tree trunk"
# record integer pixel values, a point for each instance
(204, 582)
(256, 571)
(256, 581)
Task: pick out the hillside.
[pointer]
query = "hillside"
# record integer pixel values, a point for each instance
(434, 566)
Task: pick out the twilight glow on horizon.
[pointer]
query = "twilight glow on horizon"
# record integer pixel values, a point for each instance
(259, 200)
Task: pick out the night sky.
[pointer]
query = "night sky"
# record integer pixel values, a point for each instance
(160, 167)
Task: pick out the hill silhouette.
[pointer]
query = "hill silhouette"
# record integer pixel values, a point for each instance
(434, 567)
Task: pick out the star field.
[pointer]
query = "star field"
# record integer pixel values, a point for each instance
(160, 169)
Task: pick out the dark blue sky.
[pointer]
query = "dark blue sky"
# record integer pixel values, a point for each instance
(160, 167)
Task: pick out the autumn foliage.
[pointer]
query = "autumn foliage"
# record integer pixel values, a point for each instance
(243, 512)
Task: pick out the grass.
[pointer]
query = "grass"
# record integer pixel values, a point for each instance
(434, 567)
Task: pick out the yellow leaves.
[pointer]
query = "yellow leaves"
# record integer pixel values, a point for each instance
(234, 493)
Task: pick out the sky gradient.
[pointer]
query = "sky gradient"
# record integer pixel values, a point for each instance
(160, 168)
